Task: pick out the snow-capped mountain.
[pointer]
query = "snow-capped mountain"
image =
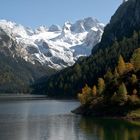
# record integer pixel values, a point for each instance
(55, 47)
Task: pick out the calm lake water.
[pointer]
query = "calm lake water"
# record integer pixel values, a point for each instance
(52, 120)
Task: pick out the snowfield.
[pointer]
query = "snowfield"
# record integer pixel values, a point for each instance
(55, 47)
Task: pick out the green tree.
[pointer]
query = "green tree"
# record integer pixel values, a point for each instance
(77, 69)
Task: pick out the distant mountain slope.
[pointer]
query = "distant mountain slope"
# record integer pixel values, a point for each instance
(27, 55)
(17, 75)
(121, 36)
(54, 47)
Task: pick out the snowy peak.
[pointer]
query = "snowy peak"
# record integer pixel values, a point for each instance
(82, 25)
(55, 47)
(54, 28)
(78, 27)
(14, 29)
(90, 23)
(66, 27)
(41, 29)
(86, 25)
(125, 0)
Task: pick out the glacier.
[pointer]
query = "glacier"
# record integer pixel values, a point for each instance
(56, 47)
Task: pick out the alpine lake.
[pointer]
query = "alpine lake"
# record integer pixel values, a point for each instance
(52, 120)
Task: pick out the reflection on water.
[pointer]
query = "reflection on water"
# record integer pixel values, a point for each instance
(51, 120)
(109, 129)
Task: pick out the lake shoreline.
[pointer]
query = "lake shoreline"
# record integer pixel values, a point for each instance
(24, 97)
(85, 111)
(20, 97)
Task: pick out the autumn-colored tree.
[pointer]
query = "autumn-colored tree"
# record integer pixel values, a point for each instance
(108, 76)
(134, 99)
(116, 74)
(121, 65)
(129, 67)
(135, 60)
(86, 90)
(133, 79)
(115, 82)
(135, 92)
(120, 97)
(101, 85)
(81, 98)
(114, 98)
(122, 92)
(86, 95)
(94, 90)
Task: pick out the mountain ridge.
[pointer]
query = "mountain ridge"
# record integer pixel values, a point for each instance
(70, 81)
(54, 47)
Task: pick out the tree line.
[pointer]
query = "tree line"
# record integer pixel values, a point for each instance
(87, 70)
(118, 86)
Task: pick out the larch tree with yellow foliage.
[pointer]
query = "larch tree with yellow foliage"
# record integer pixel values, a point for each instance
(86, 95)
(129, 67)
(94, 90)
(135, 60)
(121, 65)
(101, 85)
(108, 76)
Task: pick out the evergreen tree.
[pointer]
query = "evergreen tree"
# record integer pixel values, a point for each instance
(77, 69)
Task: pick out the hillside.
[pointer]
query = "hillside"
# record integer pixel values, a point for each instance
(123, 23)
(117, 93)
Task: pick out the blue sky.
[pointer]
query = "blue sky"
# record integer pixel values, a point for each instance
(33, 13)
